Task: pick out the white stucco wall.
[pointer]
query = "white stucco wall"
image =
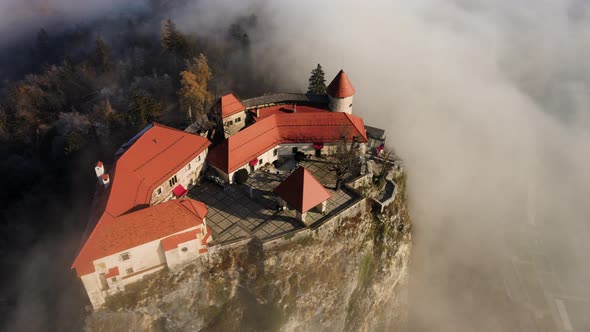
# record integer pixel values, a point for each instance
(144, 260)
(340, 104)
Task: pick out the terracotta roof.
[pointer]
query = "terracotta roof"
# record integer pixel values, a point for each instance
(173, 241)
(251, 142)
(302, 190)
(340, 86)
(105, 177)
(230, 105)
(116, 234)
(99, 163)
(154, 157)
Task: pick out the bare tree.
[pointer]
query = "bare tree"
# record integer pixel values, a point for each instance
(345, 160)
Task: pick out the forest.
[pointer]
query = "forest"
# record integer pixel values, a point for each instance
(69, 98)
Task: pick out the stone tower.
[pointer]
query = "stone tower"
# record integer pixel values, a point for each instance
(340, 93)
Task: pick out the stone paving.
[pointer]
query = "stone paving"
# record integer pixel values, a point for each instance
(233, 215)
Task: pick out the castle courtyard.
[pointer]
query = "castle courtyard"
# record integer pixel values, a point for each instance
(234, 216)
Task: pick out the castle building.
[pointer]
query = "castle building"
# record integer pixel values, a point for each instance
(133, 235)
(279, 130)
(142, 221)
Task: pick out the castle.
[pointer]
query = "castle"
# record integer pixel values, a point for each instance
(143, 220)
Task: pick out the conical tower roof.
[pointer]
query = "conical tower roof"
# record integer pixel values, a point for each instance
(302, 190)
(340, 86)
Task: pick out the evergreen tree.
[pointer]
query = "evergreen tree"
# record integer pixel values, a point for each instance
(102, 57)
(317, 82)
(173, 41)
(144, 109)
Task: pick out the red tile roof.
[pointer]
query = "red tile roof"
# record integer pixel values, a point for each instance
(251, 142)
(99, 163)
(116, 234)
(340, 86)
(302, 190)
(230, 105)
(114, 271)
(155, 157)
(105, 177)
(173, 241)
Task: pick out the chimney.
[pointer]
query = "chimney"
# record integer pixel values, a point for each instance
(99, 169)
(294, 108)
(105, 180)
(257, 112)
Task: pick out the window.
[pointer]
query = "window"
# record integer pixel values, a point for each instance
(184, 249)
(294, 150)
(173, 181)
(114, 279)
(238, 120)
(159, 191)
(129, 270)
(259, 161)
(229, 123)
(275, 152)
(188, 166)
(350, 105)
(199, 158)
(124, 256)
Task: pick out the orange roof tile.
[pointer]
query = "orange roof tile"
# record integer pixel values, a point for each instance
(340, 86)
(99, 163)
(302, 190)
(230, 105)
(155, 156)
(116, 234)
(173, 241)
(251, 142)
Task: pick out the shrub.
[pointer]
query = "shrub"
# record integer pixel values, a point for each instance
(299, 156)
(241, 176)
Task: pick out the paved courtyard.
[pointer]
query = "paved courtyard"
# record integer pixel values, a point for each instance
(233, 215)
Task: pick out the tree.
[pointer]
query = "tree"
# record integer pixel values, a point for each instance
(241, 176)
(102, 58)
(345, 160)
(194, 95)
(317, 82)
(144, 109)
(173, 41)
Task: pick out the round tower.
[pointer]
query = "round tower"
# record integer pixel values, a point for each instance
(340, 93)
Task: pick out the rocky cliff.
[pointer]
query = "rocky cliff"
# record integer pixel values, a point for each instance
(353, 278)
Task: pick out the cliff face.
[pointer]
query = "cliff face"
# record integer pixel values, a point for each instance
(353, 278)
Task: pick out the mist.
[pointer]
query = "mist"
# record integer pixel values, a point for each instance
(487, 104)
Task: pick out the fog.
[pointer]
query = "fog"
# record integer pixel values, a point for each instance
(487, 104)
